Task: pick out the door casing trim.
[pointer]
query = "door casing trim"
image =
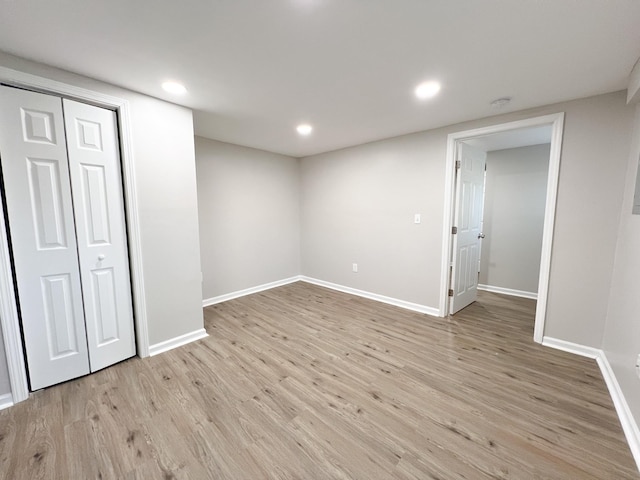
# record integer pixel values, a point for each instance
(556, 121)
(9, 319)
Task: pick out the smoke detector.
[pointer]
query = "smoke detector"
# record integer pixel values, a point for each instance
(501, 102)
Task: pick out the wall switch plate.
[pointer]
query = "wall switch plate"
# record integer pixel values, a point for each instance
(354, 268)
(416, 218)
(638, 366)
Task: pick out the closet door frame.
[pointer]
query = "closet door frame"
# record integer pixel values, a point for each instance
(8, 308)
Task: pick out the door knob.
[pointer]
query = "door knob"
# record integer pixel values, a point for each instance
(100, 257)
(481, 235)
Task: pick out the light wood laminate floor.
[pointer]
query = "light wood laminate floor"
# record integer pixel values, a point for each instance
(301, 382)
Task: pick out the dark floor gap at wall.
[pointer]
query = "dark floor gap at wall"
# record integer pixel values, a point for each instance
(305, 382)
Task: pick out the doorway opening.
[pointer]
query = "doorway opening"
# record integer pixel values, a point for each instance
(538, 130)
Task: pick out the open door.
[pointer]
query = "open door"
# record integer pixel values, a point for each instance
(470, 166)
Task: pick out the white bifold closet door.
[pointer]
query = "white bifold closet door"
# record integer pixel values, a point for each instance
(63, 191)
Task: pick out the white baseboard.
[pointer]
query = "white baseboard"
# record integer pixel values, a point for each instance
(248, 291)
(629, 425)
(333, 286)
(6, 401)
(508, 291)
(570, 347)
(177, 342)
(374, 296)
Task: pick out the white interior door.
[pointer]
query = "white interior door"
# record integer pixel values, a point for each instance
(467, 221)
(67, 228)
(41, 223)
(94, 164)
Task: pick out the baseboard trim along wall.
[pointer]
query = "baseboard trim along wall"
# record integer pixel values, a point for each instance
(570, 347)
(374, 296)
(6, 401)
(248, 291)
(508, 291)
(177, 342)
(333, 286)
(629, 425)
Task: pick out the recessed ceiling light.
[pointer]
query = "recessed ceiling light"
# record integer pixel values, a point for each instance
(174, 87)
(427, 90)
(304, 129)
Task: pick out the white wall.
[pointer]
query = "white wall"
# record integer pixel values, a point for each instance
(5, 386)
(358, 206)
(514, 204)
(249, 217)
(622, 330)
(167, 196)
(164, 162)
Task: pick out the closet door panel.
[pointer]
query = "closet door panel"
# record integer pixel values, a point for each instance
(41, 223)
(96, 181)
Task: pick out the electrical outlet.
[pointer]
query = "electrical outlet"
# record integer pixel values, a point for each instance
(354, 268)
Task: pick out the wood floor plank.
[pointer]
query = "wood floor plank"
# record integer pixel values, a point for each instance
(301, 382)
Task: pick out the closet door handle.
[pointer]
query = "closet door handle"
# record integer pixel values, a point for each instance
(100, 257)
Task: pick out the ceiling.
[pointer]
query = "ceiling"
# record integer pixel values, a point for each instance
(521, 137)
(254, 69)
